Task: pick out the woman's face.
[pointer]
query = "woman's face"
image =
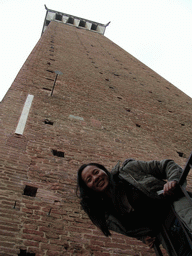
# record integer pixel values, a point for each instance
(95, 178)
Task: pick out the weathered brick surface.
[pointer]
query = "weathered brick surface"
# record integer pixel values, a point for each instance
(120, 109)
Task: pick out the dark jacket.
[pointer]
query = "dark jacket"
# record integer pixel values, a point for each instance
(149, 177)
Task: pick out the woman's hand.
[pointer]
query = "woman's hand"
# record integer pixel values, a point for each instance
(150, 241)
(169, 188)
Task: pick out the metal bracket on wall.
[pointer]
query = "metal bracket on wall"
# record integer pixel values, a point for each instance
(49, 213)
(15, 205)
(57, 72)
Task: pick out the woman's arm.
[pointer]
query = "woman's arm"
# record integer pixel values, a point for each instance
(165, 169)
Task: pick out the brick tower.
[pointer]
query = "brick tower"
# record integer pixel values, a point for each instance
(79, 98)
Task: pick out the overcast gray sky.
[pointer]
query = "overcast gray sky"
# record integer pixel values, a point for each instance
(157, 32)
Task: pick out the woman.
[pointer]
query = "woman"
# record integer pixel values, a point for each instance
(126, 200)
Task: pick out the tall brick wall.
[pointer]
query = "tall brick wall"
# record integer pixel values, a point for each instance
(106, 106)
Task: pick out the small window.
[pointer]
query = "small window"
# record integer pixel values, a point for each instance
(94, 27)
(30, 191)
(82, 23)
(70, 20)
(58, 16)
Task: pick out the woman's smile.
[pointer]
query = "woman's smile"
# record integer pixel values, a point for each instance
(95, 178)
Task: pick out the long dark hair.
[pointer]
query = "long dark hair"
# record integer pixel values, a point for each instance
(91, 201)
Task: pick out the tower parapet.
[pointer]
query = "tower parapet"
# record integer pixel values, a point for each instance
(72, 21)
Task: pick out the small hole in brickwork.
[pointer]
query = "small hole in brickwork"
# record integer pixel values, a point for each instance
(66, 246)
(47, 89)
(30, 191)
(170, 111)
(50, 79)
(106, 79)
(57, 153)
(150, 91)
(24, 253)
(47, 121)
(168, 88)
(48, 63)
(51, 71)
(119, 98)
(160, 100)
(182, 124)
(111, 87)
(180, 154)
(138, 125)
(127, 109)
(115, 74)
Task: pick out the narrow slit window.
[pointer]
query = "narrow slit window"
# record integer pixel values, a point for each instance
(57, 153)
(30, 191)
